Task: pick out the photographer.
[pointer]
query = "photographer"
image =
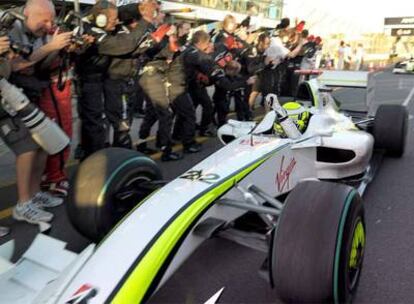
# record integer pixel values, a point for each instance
(30, 158)
(4, 72)
(38, 76)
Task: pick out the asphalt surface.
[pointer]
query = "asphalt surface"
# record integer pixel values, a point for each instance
(387, 276)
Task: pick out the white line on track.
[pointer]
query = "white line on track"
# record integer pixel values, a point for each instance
(408, 99)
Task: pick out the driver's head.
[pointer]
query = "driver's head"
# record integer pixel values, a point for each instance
(299, 115)
(40, 15)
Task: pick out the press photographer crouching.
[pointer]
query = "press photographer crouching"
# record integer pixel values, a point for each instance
(29, 134)
(36, 74)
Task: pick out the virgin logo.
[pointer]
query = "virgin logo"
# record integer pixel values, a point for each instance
(283, 176)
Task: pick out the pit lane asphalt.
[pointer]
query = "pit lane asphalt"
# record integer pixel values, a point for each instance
(387, 275)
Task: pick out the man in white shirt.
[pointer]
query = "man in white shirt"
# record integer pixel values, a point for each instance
(341, 55)
(359, 57)
(275, 60)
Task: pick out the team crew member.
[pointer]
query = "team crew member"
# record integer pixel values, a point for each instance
(286, 45)
(196, 61)
(231, 44)
(121, 85)
(256, 65)
(92, 68)
(224, 41)
(153, 82)
(222, 97)
(183, 32)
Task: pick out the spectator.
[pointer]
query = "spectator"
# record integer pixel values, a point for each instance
(347, 57)
(359, 56)
(341, 56)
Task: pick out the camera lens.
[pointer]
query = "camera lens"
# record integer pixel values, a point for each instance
(21, 49)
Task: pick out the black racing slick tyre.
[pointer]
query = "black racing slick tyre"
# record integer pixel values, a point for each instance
(390, 129)
(107, 185)
(318, 248)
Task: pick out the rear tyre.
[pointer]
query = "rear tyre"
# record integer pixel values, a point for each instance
(107, 185)
(319, 244)
(390, 129)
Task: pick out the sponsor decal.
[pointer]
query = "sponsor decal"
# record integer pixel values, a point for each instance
(253, 141)
(198, 175)
(402, 32)
(283, 176)
(83, 295)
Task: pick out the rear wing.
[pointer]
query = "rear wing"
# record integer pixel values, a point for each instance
(350, 79)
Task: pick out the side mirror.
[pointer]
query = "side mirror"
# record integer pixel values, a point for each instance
(266, 124)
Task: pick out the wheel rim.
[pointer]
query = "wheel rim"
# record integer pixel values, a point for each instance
(357, 254)
(128, 194)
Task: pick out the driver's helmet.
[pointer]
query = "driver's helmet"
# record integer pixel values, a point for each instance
(299, 115)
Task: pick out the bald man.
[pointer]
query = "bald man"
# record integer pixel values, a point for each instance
(39, 85)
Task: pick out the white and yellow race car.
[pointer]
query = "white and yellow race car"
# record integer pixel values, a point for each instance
(303, 195)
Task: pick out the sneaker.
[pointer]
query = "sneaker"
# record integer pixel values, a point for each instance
(58, 189)
(46, 200)
(4, 231)
(30, 213)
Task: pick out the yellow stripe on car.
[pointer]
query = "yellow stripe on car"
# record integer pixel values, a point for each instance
(141, 278)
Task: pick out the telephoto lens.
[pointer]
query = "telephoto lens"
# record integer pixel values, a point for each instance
(45, 132)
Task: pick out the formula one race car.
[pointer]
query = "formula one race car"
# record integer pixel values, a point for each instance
(404, 67)
(293, 198)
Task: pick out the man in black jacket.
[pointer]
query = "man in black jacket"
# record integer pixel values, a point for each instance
(93, 67)
(197, 62)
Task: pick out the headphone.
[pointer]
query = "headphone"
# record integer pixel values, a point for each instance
(101, 20)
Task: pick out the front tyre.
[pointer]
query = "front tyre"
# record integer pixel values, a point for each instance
(319, 244)
(107, 185)
(390, 129)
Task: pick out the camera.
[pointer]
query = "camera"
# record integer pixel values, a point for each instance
(6, 23)
(45, 132)
(79, 26)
